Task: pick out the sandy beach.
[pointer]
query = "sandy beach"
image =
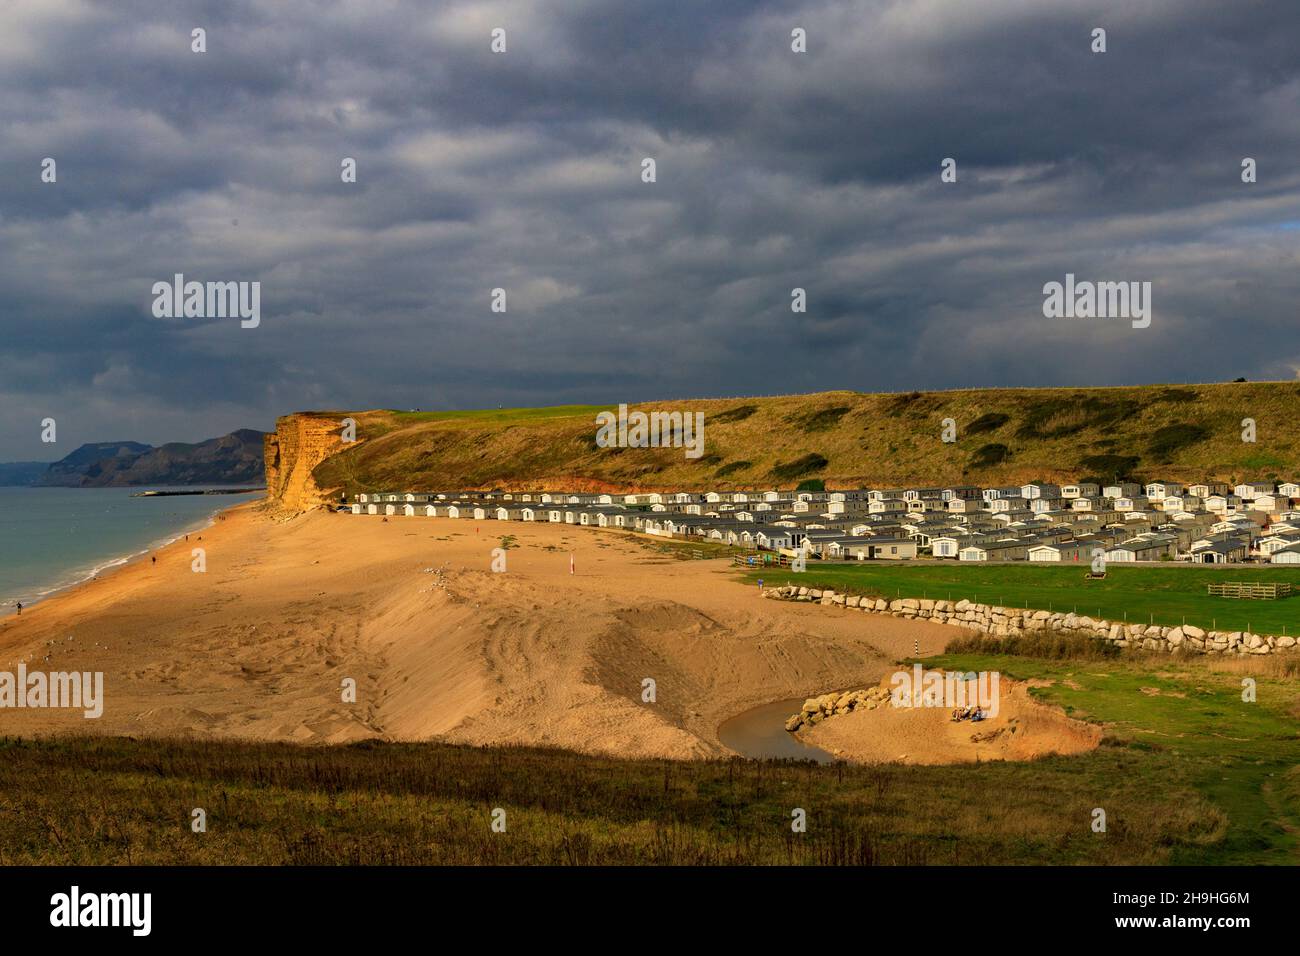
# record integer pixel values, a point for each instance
(439, 645)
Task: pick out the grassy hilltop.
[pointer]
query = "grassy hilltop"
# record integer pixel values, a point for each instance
(1174, 432)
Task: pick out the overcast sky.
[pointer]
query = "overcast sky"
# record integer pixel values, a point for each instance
(522, 170)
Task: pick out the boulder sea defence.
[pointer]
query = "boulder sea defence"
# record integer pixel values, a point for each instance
(998, 621)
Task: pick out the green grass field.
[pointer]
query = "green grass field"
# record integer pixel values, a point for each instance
(1193, 729)
(1139, 594)
(1187, 773)
(507, 415)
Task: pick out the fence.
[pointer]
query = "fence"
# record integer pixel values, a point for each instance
(1251, 590)
(761, 559)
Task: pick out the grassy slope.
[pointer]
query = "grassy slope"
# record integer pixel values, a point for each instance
(1177, 432)
(1145, 594)
(1197, 778)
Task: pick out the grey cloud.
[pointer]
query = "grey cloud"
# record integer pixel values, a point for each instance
(522, 171)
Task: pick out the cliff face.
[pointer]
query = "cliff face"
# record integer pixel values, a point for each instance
(298, 444)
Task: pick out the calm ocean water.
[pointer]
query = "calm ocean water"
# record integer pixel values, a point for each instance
(53, 537)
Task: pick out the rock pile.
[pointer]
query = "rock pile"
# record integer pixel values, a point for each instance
(817, 709)
(1000, 621)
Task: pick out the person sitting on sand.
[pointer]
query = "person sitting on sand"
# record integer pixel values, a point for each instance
(977, 715)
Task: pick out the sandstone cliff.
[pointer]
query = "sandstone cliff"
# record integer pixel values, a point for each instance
(299, 443)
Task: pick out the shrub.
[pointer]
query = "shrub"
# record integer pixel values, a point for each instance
(989, 455)
(1061, 417)
(732, 468)
(1109, 467)
(737, 414)
(1052, 645)
(901, 403)
(1168, 441)
(819, 420)
(988, 422)
(1262, 460)
(789, 470)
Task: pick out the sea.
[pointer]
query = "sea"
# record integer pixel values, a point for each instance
(53, 538)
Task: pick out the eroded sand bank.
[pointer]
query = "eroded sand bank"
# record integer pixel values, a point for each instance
(1022, 729)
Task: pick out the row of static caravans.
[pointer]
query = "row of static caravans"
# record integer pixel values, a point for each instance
(588, 516)
(770, 538)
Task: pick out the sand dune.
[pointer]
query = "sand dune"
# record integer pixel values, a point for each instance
(1023, 729)
(438, 644)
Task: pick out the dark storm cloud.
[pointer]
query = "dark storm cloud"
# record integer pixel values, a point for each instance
(775, 170)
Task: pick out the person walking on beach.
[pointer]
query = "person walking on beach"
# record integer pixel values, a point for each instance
(153, 559)
(20, 608)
